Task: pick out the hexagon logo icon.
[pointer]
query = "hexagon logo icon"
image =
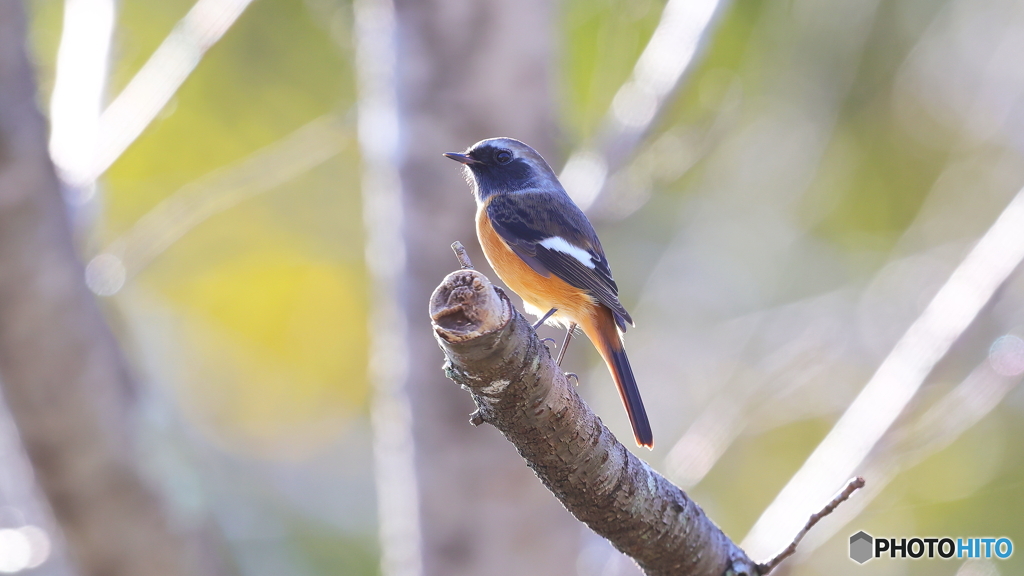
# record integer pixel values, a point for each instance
(861, 545)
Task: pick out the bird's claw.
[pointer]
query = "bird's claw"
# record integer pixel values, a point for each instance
(552, 340)
(573, 376)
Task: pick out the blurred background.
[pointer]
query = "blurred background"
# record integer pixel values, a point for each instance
(792, 194)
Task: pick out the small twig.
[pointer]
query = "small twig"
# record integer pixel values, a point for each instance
(462, 255)
(854, 485)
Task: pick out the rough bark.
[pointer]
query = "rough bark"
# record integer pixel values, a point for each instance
(468, 70)
(62, 374)
(494, 353)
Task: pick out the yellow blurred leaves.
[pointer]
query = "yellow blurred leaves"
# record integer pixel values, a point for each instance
(275, 343)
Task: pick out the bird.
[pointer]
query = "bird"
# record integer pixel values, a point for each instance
(544, 249)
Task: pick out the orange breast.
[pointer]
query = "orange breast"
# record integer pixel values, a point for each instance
(539, 294)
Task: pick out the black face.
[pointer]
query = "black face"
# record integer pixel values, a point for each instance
(498, 170)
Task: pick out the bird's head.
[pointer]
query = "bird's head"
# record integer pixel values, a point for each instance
(505, 165)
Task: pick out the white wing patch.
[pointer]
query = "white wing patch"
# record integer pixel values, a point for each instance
(559, 244)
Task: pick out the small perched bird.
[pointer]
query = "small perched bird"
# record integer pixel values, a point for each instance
(543, 247)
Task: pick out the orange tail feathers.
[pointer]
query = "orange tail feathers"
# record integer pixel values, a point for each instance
(601, 330)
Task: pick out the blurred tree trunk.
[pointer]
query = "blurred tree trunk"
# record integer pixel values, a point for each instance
(469, 70)
(62, 373)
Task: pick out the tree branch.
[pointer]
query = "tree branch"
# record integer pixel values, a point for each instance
(494, 353)
(462, 255)
(63, 376)
(852, 486)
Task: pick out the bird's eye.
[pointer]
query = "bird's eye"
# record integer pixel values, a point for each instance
(503, 156)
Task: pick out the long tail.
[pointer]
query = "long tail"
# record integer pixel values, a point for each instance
(602, 332)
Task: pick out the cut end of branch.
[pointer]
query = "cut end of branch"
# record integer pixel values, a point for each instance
(466, 306)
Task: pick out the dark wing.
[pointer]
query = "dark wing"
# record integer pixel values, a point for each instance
(531, 222)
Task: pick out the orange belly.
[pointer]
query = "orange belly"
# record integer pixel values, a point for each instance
(539, 294)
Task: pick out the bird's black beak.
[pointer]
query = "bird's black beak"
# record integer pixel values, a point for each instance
(463, 158)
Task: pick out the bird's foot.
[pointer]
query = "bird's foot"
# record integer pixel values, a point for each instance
(573, 376)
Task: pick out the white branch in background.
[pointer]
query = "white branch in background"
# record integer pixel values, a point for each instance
(79, 82)
(896, 381)
(668, 55)
(391, 414)
(949, 418)
(160, 77)
(224, 188)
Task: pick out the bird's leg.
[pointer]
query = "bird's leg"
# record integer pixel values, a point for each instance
(545, 317)
(565, 343)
